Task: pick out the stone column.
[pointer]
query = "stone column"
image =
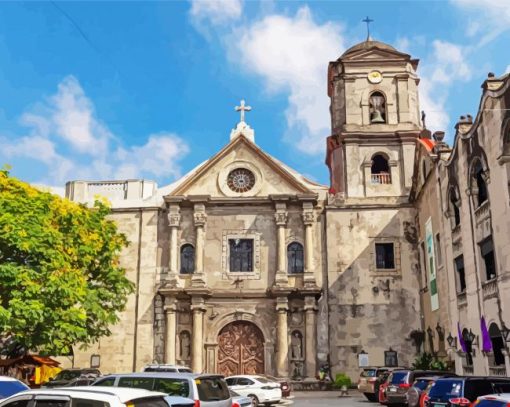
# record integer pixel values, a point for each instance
(507, 361)
(310, 337)
(197, 346)
(309, 222)
(174, 220)
(281, 278)
(200, 219)
(170, 329)
(282, 337)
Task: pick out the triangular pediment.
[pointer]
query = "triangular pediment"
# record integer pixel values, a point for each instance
(375, 54)
(271, 176)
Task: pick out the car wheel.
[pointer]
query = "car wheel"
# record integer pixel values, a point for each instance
(254, 400)
(370, 396)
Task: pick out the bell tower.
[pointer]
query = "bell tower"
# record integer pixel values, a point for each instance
(375, 119)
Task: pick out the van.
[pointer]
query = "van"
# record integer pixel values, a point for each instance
(207, 390)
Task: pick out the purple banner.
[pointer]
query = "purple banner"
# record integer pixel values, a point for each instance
(486, 338)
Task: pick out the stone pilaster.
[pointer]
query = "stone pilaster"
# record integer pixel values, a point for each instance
(170, 308)
(309, 222)
(174, 221)
(197, 349)
(281, 279)
(200, 219)
(507, 361)
(282, 365)
(310, 336)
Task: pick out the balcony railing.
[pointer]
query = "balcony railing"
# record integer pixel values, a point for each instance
(482, 212)
(497, 371)
(381, 178)
(490, 289)
(109, 189)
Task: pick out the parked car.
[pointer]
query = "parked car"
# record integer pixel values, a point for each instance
(238, 400)
(155, 367)
(381, 395)
(64, 377)
(209, 390)
(418, 390)
(462, 391)
(367, 379)
(284, 384)
(258, 388)
(10, 386)
(498, 400)
(89, 396)
(400, 381)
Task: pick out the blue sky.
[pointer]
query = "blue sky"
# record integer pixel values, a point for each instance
(93, 90)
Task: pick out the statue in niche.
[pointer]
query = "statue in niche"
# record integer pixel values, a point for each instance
(296, 345)
(185, 345)
(297, 372)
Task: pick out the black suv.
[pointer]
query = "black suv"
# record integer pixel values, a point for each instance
(68, 377)
(462, 391)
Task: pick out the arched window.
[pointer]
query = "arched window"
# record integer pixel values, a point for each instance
(454, 206)
(187, 259)
(295, 258)
(497, 345)
(377, 108)
(380, 170)
(481, 186)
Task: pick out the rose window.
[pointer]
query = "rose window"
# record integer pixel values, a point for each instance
(240, 180)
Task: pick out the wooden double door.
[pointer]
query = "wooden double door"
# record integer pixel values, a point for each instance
(240, 349)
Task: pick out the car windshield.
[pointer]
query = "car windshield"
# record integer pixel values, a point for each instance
(161, 369)
(212, 389)
(172, 387)
(68, 375)
(446, 389)
(399, 377)
(9, 388)
(368, 373)
(148, 402)
(421, 384)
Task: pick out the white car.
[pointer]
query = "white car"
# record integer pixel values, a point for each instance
(493, 400)
(10, 386)
(154, 367)
(93, 397)
(258, 388)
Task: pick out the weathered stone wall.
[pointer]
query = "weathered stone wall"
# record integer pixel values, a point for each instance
(370, 310)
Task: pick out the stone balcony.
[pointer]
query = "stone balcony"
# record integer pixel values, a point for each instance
(461, 299)
(482, 212)
(490, 289)
(84, 191)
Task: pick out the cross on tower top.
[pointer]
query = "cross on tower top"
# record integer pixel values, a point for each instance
(368, 21)
(243, 108)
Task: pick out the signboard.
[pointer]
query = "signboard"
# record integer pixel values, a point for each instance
(363, 359)
(431, 261)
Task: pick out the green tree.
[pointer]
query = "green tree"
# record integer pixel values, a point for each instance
(60, 279)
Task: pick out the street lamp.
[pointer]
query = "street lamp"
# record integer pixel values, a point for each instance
(471, 338)
(505, 333)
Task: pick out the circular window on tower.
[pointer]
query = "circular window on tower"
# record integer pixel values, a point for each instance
(240, 180)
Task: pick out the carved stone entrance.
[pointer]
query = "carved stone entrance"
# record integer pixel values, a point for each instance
(240, 349)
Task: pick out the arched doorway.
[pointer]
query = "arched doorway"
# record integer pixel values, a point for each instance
(240, 349)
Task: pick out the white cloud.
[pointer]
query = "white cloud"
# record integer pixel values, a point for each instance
(507, 70)
(292, 54)
(66, 136)
(216, 12)
(487, 18)
(450, 62)
(446, 65)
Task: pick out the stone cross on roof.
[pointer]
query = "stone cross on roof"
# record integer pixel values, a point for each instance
(243, 108)
(368, 21)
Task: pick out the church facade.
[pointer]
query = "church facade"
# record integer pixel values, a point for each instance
(246, 266)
